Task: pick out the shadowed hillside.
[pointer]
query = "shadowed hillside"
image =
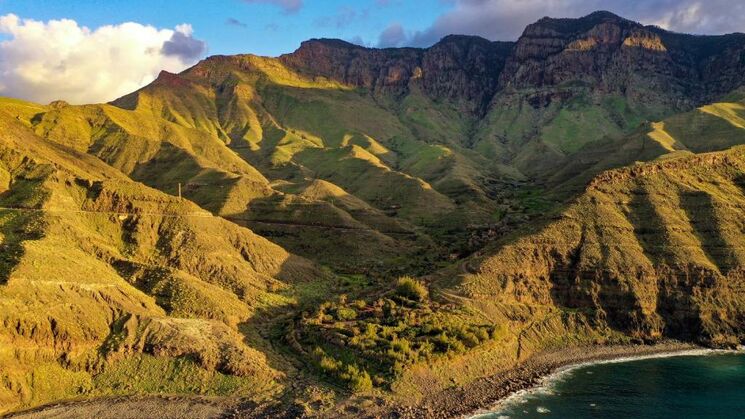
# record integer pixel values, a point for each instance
(99, 274)
(345, 227)
(652, 250)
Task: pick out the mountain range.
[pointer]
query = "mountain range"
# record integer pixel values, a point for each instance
(345, 226)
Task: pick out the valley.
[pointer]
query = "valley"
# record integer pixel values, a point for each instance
(346, 229)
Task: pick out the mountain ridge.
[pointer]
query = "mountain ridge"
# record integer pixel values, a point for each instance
(375, 224)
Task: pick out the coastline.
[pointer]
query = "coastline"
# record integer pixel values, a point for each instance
(486, 394)
(481, 397)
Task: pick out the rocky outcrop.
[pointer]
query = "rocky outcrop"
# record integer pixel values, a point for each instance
(461, 68)
(652, 251)
(602, 50)
(616, 55)
(464, 67)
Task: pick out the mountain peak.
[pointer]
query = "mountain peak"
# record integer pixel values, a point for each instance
(576, 25)
(329, 43)
(169, 79)
(604, 15)
(462, 38)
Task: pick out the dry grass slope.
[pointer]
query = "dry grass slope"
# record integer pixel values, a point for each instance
(97, 268)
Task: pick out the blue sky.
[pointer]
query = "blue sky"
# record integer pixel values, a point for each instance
(87, 51)
(272, 27)
(260, 28)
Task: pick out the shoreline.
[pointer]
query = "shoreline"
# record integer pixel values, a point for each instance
(481, 397)
(560, 372)
(485, 395)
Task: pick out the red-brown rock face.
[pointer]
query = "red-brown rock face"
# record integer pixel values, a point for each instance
(602, 51)
(461, 68)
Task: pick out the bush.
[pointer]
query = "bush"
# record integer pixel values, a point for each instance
(328, 365)
(411, 289)
(482, 333)
(344, 313)
(469, 339)
(359, 380)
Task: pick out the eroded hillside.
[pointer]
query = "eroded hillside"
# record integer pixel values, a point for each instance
(96, 268)
(654, 250)
(581, 186)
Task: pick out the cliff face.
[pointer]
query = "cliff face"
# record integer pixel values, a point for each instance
(616, 55)
(532, 105)
(458, 67)
(654, 250)
(376, 163)
(607, 52)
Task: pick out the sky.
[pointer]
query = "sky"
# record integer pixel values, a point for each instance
(87, 51)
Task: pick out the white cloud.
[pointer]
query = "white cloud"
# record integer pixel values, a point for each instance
(58, 59)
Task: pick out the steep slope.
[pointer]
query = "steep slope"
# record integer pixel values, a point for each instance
(711, 127)
(654, 250)
(438, 139)
(460, 68)
(378, 163)
(576, 82)
(96, 268)
(174, 135)
(647, 252)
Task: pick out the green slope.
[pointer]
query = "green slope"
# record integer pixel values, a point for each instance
(97, 268)
(107, 276)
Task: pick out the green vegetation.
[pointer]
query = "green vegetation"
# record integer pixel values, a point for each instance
(413, 243)
(366, 343)
(98, 269)
(145, 374)
(411, 289)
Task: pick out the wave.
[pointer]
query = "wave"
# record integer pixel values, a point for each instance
(547, 383)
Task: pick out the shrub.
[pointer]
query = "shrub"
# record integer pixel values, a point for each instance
(401, 345)
(345, 313)
(469, 339)
(371, 330)
(482, 333)
(411, 289)
(328, 365)
(359, 380)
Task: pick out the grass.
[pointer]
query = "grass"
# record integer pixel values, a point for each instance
(98, 304)
(144, 374)
(373, 186)
(625, 242)
(534, 200)
(709, 128)
(581, 121)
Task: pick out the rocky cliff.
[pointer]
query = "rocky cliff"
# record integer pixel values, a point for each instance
(551, 190)
(654, 250)
(460, 68)
(605, 51)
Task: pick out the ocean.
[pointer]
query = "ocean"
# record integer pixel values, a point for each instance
(702, 384)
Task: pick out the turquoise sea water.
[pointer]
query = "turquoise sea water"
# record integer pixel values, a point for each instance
(702, 386)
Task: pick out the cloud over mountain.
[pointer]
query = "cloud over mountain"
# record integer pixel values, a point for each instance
(59, 59)
(505, 19)
(392, 36)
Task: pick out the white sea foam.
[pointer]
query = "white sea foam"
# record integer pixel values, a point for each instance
(547, 383)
